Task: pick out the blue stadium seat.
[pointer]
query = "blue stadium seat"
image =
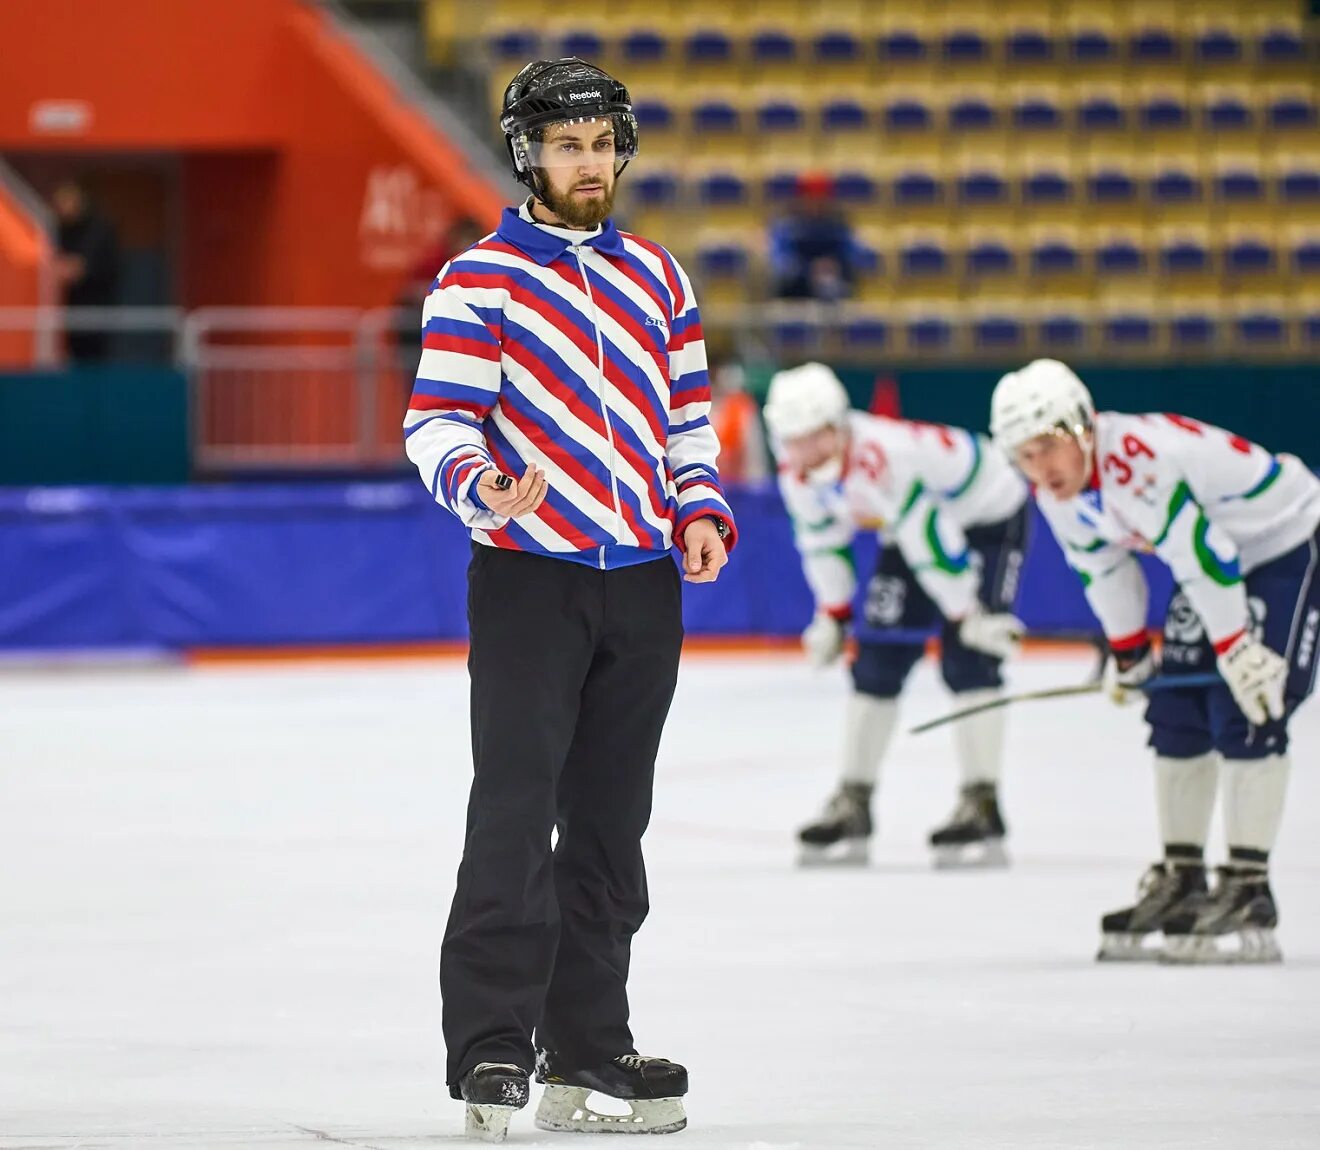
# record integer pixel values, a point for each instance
(1061, 332)
(1101, 113)
(928, 333)
(585, 43)
(982, 187)
(917, 186)
(924, 257)
(844, 114)
(1111, 185)
(1299, 183)
(996, 332)
(1037, 113)
(1217, 46)
(1055, 256)
(866, 258)
(773, 46)
(722, 189)
(1228, 112)
(991, 257)
(716, 116)
(780, 115)
(965, 46)
(1184, 255)
(853, 187)
(1261, 328)
(1120, 256)
(644, 46)
(653, 115)
(836, 46)
(866, 333)
(779, 187)
(1028, 46)
(1311, 326)
(1281, 45)
(908, 114)
(1175, 184)
(902, 45)
(1193, 330)
(1132, 330)
(1249, 255)
(655, 188)
(727, 260)
(1092, 46)
(708, 46)
(1047, 185)
(1292, 111)
(1305, 256)
(972, 114)
(1239, 184)
(515, 44)
(1165, 112)
(1154, 46)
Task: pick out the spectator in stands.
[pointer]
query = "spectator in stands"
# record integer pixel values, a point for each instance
(736, 417)
(87, 266)
(812, 253)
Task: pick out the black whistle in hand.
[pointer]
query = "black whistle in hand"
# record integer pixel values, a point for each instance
(503, 482)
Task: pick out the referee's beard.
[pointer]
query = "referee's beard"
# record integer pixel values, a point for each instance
(575, 209)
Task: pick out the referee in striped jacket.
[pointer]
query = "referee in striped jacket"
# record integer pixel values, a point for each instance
(561, 412)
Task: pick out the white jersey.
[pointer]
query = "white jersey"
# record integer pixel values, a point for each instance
(919, 486)
(1211, 505)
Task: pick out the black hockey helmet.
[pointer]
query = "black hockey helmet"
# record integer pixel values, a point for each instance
(549, 92)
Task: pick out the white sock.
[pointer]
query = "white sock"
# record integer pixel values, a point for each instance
(868, 729)
(979, 739)
(1254, 790)
(1185, 798)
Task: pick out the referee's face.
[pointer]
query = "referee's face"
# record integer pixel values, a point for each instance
(577, 171)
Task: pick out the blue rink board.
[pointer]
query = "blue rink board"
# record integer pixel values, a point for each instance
(310, 563)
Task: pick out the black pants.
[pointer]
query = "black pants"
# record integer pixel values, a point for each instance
(573, 670)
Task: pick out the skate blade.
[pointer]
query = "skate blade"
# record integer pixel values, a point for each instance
(566, 1108)
(1127, 948)
(488, 1123)
(1254, 946)
(848, 852)
(988, 855)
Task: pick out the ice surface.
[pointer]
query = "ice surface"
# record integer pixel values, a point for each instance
(222, 892)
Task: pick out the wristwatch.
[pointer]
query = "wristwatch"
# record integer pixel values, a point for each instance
(722, 528)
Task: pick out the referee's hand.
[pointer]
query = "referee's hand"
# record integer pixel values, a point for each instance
(703, 552)
(519, 497)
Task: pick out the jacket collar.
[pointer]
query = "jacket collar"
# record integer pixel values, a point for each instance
(545, 243)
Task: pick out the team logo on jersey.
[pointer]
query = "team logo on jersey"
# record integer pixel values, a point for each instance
(1183, 625)
(886, 600)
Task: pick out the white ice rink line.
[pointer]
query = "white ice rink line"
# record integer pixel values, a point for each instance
(222, 891)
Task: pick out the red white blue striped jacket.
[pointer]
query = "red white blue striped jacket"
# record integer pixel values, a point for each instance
(586, 358)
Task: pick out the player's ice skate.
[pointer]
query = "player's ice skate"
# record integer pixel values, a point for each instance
(1135, 933)
(651, 1088)
(974, 835)
(1234, 924)
(842, 834)
(492, 1092)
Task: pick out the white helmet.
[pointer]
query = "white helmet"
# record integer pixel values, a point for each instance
(1044, 396)
(804, 399)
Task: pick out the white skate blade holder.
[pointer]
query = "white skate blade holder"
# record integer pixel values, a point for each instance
(488, 1123)
(1119, 946)
(846, 852)
(568, 1108)
(989, 854)
(1249, 946)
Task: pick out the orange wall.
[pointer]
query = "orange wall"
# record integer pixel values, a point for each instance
(306, 181)
(24, 255)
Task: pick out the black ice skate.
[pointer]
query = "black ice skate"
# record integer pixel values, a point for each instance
(974, 835)
(1234, 924)
(1164, 892)
(842, 834)
(651, 1088)
(492, 1091)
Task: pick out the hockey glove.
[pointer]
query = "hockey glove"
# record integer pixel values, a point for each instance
(995, 635)
(1256, 676)
(824, 638)
(1127, 670)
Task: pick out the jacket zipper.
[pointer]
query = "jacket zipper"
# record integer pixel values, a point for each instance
(600, 394)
